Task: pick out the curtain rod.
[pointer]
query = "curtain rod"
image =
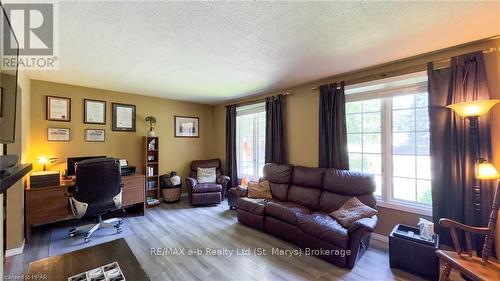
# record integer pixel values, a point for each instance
(383, 75)
(286, 93)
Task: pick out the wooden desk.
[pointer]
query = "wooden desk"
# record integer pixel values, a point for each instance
(45, 205)
(64, 266)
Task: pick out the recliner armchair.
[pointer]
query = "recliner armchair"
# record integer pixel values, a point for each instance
(97, 190)
(206, 193)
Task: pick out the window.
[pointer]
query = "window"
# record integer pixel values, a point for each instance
(388, 136)
(251, 140)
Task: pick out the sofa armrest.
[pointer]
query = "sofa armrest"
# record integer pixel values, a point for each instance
(368, 224)
(242, 191)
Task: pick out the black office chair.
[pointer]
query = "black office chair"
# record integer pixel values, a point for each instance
(98, 190)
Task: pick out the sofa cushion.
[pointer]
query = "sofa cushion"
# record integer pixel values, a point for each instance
(329, 201)
(279, 190)
(207, 187)
(285, 211)
(279, 177)
(251, 205)
(259, 190)
(347, 182)
(309, 177)
(324, 227)
(278, 173)
(305, 196)
(351, 211)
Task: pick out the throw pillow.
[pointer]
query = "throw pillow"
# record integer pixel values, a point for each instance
(260, 190)
(351, 211)
(206, 175)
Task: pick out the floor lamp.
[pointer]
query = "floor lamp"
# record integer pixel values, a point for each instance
(472, 111)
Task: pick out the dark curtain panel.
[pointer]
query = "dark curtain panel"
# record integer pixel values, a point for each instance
(275, 130)
(231, 168)
(332, 127)
(452, 162)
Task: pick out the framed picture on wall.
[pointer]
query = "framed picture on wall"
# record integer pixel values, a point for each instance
(123, 117)
(95, 135)
(186, 127)
(94, 112)
(58, 109)
(58, 134)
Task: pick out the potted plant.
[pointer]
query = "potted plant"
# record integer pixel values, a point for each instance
(152, 122)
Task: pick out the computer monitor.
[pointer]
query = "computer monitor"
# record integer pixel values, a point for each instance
(73, 160)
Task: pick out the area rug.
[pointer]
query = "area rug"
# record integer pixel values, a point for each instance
(61, 243)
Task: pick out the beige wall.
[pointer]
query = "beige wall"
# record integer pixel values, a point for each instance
(175, 153)
(302, 115)
(15, 194)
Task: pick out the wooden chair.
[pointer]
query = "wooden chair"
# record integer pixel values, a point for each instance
(470, 266)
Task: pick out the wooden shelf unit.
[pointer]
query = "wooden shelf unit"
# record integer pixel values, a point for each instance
(151, 161)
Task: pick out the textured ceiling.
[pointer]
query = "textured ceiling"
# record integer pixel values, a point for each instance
(211, 52)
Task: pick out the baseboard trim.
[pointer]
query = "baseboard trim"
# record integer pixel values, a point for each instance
(15, 251)
(380, 237)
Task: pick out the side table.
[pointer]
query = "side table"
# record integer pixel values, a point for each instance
(412, 255)
(233, 194)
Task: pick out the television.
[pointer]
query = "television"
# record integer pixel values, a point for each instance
(8, 80)
(70, 171)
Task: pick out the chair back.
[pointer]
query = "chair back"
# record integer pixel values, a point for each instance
(97, 181)
(211, 163)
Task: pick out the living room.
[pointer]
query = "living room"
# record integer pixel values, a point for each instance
(251, 140)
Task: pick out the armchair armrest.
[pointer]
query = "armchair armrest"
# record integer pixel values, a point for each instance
(191, 181)
(368, 224)
(223, 179)
(447, 223)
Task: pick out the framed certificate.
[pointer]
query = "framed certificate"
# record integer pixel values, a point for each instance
(95, 135)
(186, 127)
(58, 134)
(94, 112)
(58, 109)
(123, 117)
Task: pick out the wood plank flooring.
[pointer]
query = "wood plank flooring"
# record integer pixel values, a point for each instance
(182, 226)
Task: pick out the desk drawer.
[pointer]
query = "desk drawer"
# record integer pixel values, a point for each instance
(47, 205)
(132, 196)
(133, 189)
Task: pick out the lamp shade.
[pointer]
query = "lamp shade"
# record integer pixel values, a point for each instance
(473, 108)
(486, 171)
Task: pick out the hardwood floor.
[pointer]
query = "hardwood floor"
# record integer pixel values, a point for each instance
(182, 226)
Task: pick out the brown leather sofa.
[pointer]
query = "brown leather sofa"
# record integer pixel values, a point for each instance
(206, 193)
(302, 199)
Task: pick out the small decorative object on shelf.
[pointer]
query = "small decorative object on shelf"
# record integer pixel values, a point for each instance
(152, 169)
(152, 122)
(150, 201)
(151, 144)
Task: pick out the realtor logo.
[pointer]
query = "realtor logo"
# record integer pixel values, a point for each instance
(34, 26)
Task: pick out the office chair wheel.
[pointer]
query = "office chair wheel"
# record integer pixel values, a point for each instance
(119, 230)
(86, 239)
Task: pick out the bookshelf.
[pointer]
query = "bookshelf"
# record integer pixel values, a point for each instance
(152, 169)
